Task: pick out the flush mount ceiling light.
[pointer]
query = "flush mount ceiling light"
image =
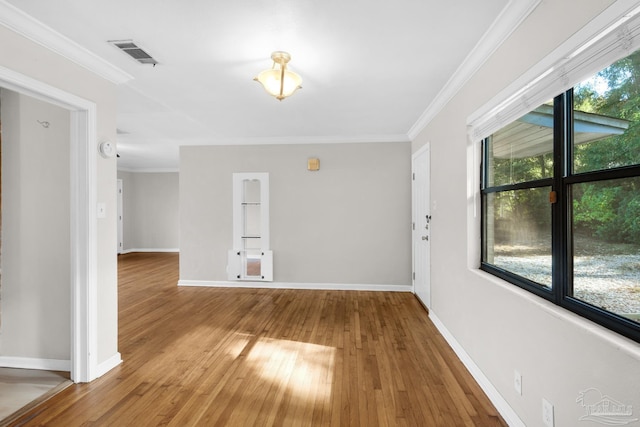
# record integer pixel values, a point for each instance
(278, 81)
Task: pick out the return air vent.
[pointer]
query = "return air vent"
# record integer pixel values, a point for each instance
(134, 51)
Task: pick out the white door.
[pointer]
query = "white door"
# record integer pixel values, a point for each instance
(120, 219)
(421, 225)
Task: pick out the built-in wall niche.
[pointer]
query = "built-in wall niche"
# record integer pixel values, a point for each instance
(250, 259)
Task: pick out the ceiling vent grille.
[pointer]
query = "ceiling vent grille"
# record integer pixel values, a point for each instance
(134, 51)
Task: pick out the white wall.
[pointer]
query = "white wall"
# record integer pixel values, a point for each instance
(32, 60)
(36, 259)
(500, 326)
(349, 223)
(151, 206)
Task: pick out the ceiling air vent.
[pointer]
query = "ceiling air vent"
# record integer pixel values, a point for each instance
(134, 51)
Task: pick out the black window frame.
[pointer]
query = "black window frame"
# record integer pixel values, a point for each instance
(561, 222)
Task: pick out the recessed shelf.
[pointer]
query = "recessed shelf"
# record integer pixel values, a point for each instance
(250, 257)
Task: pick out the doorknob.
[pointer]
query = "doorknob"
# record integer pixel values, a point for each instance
(425, 237)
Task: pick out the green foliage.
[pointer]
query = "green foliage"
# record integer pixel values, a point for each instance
(593, 207)
(624, 225)
(610, 210)
(508, 171)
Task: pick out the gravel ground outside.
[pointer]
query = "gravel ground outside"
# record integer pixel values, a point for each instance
(611, 282)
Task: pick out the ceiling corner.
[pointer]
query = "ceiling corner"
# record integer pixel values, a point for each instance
(513, 14)
(29, 27)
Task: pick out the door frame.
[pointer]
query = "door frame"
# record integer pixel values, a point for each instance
(414, 220)
(83, 217)
(120, 218)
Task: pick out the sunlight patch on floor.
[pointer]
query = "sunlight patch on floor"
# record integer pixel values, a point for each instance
(240, 342)
(305, 369)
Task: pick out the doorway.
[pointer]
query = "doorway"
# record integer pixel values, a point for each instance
(36, 254)
(421, 235)
(83, 233)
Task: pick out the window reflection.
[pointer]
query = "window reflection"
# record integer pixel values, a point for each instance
(518, 236)
(606, 254)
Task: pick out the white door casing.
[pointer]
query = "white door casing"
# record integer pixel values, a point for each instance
(421, 235)
(120, 218)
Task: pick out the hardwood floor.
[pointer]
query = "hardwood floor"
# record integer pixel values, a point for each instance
(245, 357)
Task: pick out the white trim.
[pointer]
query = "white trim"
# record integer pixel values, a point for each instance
(17, 82)
(83, 219)
(83, 252)
(120, 215)
(420, 150)
(35, 363)
(29, 27)
(492, 393)
(132, 250)
(301, 286)
(509, 19)
(277, 140)
(108, 365)
(612, 35)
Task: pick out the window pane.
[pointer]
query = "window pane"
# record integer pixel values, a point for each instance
(523, 150)
(606, 117)
(606, 245)
(517, 230)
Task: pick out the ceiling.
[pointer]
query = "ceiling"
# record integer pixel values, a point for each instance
(371, 70)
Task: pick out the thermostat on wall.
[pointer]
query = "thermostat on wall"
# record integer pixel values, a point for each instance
(313, 164)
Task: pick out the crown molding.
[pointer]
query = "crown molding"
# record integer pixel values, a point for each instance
(509, 19)
(332, 139)
(29, 27)
(269, 140)
(611, 35)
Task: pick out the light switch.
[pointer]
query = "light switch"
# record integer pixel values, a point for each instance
(102, 210)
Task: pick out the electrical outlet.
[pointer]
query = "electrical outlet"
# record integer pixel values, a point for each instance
(547, 413)
(517, 382)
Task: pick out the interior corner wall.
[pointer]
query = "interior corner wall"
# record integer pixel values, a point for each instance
(151, 206)
(501, 327)
(34, 61)
(36, 257)
(348, 223)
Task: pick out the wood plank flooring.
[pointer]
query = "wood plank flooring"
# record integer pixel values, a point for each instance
(259, 357)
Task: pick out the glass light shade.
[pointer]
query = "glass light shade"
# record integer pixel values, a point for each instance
(270, 80)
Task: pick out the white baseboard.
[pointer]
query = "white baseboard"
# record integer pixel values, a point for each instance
(494, 395)
(108, 365)
(35, 363)
(306, 286)
(128, 251)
